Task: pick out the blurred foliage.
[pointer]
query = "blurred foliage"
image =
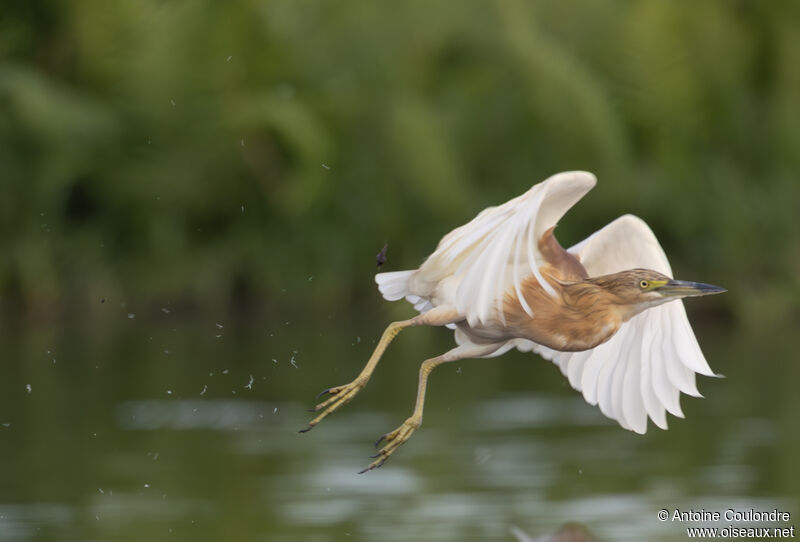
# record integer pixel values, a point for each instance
(257, 154)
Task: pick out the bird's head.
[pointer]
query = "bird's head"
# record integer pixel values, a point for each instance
(640, 289)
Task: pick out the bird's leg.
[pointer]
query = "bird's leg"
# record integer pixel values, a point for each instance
(399, 436)
(341, 395)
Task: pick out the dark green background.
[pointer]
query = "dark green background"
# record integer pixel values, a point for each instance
(167, 166)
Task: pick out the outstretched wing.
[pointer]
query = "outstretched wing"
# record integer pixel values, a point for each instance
(498, 249)
(644, 367)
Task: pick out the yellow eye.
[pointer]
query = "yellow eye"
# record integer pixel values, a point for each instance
(643, 284)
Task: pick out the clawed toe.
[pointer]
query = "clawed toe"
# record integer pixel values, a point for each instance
(339, 396)
(394, 440)
(381, 439)
(333, 391)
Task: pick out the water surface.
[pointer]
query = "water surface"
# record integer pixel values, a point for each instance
(154, 427)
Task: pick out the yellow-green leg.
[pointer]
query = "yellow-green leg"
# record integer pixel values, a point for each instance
(399, 436)
(341, 395)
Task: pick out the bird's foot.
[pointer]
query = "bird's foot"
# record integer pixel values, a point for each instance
(339, 396)
(393, 440)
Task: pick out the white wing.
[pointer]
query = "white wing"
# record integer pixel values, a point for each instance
(499, 247)
(644, 367)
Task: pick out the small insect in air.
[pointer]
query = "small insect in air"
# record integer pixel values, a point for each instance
(380, 258)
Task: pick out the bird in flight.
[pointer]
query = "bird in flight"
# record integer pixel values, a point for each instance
(606, 310)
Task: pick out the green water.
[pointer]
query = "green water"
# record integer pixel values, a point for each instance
(155, 427)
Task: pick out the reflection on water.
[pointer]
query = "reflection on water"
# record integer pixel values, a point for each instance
(118, 440)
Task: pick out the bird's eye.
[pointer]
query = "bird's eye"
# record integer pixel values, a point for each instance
(643, 284)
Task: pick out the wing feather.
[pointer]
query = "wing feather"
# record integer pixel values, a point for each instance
(498, 249)
(669, 392)
(619, 391)
(641, 371)
(523, 302)
(633, 402)
(606, 379)
(655, 409)
(574, 368)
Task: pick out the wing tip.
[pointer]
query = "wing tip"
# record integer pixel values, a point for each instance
(586, 178)
(637, 222)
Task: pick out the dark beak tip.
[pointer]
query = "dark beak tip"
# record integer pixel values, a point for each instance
(689, 289)
(711, 289)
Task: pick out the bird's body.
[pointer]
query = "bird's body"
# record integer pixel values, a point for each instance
(568, 321)
(599, 309)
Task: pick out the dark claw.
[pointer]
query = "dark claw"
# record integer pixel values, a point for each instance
(378, 442)
(376, 455)
(323, 392)
(307, 429)
(379, 465)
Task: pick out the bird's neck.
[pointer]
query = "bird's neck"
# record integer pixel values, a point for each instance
(593, 315)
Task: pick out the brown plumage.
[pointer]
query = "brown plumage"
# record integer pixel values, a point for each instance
(582, 314)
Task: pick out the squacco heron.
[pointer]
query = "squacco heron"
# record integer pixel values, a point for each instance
(599, 310)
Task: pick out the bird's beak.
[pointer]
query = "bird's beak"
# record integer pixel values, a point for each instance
(683, 288)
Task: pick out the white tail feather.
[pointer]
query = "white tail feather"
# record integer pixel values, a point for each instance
(394, 285)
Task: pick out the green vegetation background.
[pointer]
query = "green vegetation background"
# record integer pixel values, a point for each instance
(254, 156)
